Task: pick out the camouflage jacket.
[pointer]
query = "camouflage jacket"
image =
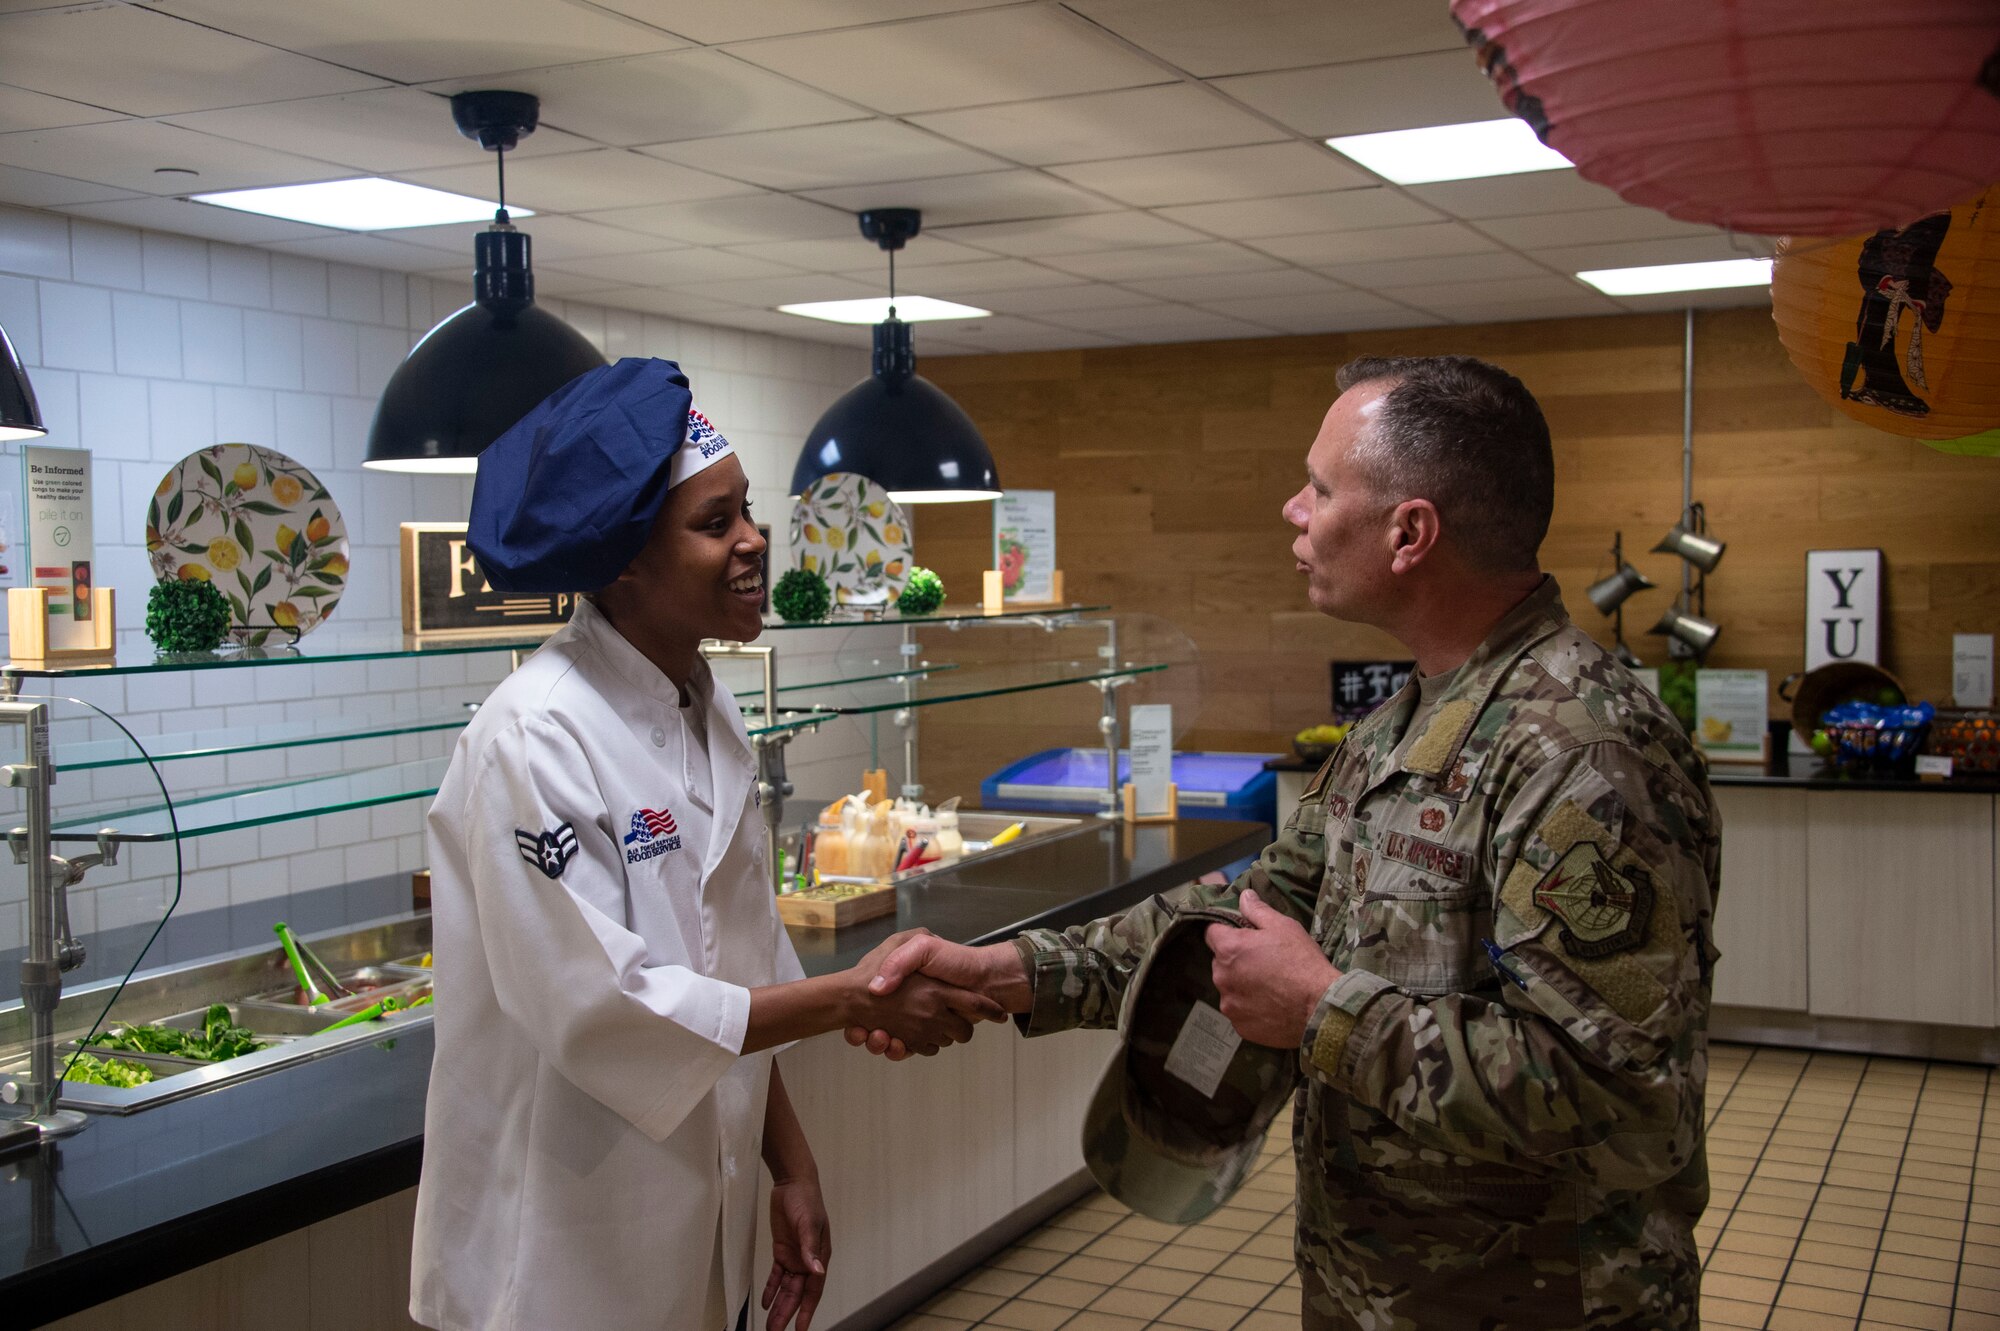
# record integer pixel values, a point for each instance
(1500, 1119)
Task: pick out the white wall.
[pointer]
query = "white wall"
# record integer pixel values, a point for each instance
(144, 346)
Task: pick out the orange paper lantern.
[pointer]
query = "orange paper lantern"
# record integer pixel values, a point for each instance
(1901, 329)
(1778, 117)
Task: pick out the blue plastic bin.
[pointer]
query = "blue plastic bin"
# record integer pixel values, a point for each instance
(1229, 786)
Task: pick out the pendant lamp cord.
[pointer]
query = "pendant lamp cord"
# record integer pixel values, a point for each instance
(500, 157)
(892, 284)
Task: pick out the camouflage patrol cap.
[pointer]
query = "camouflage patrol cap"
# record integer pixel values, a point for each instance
(1182, 1110)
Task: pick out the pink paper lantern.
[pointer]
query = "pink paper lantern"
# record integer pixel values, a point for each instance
(1776, 117)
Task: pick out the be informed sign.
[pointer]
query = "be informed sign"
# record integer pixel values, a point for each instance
(445, 594)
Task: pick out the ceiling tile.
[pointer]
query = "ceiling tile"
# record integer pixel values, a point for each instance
(1443, 297)
(1639, 253)
(857, 152)
(125, 153)
(146, 64)
(735, 221)
(555, 239)
(771, 292)
(790, 325)
(1212, 287)
(997, 55)
(1728, 298)
(991, 196)
(21, 109)
(1000, 334)
(707, 22)
(1516, 195)
(38, 189)
(1403, 92)
(1075, 235)
(854, 254)
(1215, 37)
(952, 280)
(198, 219)
(380, 131)
(1162, 323)
(1599, 226)
(1049, 300)
(679, 95)
(1522, 311)
(432, 39)
(585, 181)
(677, 268)
(1400, 242)
(1215, 256)
(672, 304)
(1435, 269)
(1326, 312)
(1217, 173)
(1297, 214)
(1172, 117)
(371, 251)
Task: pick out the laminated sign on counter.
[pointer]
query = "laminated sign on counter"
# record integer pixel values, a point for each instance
(55, 492)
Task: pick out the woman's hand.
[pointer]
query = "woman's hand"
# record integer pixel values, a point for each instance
(801, 1246)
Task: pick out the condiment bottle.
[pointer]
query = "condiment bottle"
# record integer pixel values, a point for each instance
(948, 843)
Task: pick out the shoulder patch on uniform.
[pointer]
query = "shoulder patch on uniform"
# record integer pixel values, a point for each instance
(550, 852)
(1604, 910)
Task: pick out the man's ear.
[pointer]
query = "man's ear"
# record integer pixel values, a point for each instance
(1414, 531)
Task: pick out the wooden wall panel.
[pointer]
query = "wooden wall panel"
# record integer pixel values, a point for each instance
(1171, 464)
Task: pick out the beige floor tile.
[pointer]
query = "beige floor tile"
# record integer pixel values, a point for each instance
(1224, 1289)
(1978, 1277)
(1826, 1266)
(963, 1303)
(1765, 1204)
(1094, 1270)
(1980, 1254)
(1890, 1262)
(1942, 1207)
(1132, 1303)
(1219, 1241)
(1200, 1315)
(1116, 1248)
(1056, 1240)
(1884, 1285)
(1186, 1257)
(1950, 1229)
(1742, 1289)
(1064, 1293)
(1084, 1218)
(1862, 1217)
(1289, 1300)
(1097, 1321)
(1971, 1298)
(1896, 1312)
(1967, 1320)
(1748, 1264)
(1826, 1302)
(1265, 1320)
(929, 1322)
(1021, 1315)
(1139, 1227)
(1852, 1236)
(1278, 1247)
(1794, 1319)
(1717, 1311)
(1263, 1270)
(1785, 1226)
(1157, 1280)
(1033, 1261)
(1763, 1245)
(994, 1280)
(1238, 1218)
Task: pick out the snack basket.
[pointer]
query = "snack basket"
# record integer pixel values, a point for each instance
(1971, 739)
(1869, 738)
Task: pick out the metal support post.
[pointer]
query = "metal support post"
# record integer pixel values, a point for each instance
(1108, 722)
(772, 784)
(906, 717)
(51, 950)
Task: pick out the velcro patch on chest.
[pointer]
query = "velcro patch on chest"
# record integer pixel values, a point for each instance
(1604, 910)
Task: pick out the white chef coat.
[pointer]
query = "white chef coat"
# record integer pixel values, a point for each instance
(593, 1132)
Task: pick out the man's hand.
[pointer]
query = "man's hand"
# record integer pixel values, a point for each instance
(801, 1246)
(1272, 975)
(995, 972)
(920, 1017)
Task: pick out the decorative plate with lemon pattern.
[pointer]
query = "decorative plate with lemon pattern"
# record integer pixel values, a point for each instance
(846, 528)
(261, 528)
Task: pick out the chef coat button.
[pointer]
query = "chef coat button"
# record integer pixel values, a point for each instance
(659, 738)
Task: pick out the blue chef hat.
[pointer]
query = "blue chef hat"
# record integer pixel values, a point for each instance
(567, 497)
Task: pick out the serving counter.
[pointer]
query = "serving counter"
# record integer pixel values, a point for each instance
(286, 1199)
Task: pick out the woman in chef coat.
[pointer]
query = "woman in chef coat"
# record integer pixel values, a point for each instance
(612, 978)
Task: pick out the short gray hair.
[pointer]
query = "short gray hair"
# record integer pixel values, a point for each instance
(1469, 437)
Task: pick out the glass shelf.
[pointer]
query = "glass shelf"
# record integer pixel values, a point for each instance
(854, 616)
(875, 672)
(966, 682)
(138, 656)
(221, 740)
(234, 810)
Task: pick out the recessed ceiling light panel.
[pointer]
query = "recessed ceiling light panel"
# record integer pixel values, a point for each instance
(369, 203)
(1451, 152)
(1661, 277)
(874, 309)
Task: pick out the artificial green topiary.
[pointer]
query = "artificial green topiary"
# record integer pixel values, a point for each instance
(922, 594)
(186, 615)
(802, 594)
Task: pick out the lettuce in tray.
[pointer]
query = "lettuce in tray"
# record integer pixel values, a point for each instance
(218, 1038)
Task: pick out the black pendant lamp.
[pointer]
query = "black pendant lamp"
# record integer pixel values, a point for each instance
(20, 417)
(896, 427)
(493, 362)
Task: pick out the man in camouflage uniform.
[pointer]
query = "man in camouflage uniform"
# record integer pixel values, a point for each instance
(1487, 929)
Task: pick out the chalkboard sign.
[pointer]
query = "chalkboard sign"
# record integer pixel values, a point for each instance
(445, 595)
(1359, 687)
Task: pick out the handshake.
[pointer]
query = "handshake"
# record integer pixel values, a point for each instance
(916, 993)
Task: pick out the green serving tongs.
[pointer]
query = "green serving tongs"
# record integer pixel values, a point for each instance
(298, 952)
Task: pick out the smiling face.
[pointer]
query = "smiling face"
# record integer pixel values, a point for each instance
(1345, 547)
(700, 573)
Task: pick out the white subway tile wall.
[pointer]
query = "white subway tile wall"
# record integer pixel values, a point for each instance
(144, 346)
